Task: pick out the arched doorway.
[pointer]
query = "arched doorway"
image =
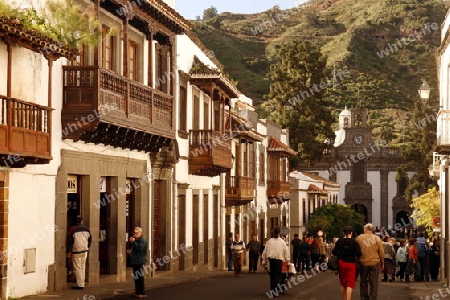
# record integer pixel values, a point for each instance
(402, 218)
(361, 208)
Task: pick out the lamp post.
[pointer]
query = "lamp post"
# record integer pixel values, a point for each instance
(424, 92)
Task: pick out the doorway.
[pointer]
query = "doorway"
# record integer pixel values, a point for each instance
(105, 226)
(73, 211)
(130, 213)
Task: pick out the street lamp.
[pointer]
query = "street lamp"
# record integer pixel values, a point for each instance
(424, 92)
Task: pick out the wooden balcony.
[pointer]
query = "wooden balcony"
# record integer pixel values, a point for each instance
(103, 107)
(278, 191)
(443, 132)
(24, 133)
(209, 153)
(239, 190)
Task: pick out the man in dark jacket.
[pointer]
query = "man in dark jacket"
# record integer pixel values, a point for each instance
(253, 248)
(80, 240)
(138, 251)
(305, 257)
(296, 242)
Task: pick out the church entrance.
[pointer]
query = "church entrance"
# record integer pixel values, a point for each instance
(361, 208)
(402, 218)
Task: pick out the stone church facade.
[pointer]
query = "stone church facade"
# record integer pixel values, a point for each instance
(366, 170)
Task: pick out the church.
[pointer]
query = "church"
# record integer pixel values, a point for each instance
(366, 170)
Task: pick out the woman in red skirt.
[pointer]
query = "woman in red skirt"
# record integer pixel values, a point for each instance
(348, 251)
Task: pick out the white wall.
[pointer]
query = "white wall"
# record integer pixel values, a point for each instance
(374, 177)
(31, 225)
(342, 177)
(392, 192)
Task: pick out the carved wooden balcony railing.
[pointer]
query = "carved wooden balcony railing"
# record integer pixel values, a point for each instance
(443, 132)
(239, 190)
(278, 191)
(24, 133)
(209, 153)
(103, 107)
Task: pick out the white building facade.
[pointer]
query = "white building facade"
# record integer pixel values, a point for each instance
(441, 160)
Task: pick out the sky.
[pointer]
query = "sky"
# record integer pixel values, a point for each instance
(189, 9)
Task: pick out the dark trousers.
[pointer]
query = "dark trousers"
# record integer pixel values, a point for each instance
(253, 261)
(138, 276)
(424, 270)
(305, 260)
(402, 270)
(369, 280)
(275, 274)
(230, 261)
(297, 262)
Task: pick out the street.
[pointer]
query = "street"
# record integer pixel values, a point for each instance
(256, 287)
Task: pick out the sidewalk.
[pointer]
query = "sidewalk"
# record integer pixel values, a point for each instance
(107, 290)
(417, 290)
(422, 290)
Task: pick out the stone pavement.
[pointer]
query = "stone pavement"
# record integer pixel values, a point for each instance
(417, 290)
(432, 290)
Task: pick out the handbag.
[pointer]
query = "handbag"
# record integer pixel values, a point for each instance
(333, 263)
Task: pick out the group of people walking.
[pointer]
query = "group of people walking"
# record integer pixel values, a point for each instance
(365, 256)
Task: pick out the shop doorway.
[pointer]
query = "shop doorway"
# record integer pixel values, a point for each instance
(104, 226)
(73, 211)
(130, 213)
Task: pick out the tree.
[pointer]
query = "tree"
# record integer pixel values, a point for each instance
(418, 151)
(426, 207)
(209, 13)
(295, 100)
(332, 218)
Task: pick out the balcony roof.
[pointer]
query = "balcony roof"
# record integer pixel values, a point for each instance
(276, 145)
(146, 10)
(12, 31)
(242, 128)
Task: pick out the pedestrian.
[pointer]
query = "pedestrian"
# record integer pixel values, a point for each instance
(296, 243)
(422, 255)
(402, 260)
(263, 246)
(138, 252)
(80, 240)
(275, 252)
(412, 266)
(253, 248)
(237, 247)
(315, 253)
(347, 250)
(370, 262)
(435, 259)
(322, 252)
(389, 256)
(305, 257)
(229, 251)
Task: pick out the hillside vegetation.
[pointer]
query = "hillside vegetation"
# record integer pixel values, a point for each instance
(387, 45)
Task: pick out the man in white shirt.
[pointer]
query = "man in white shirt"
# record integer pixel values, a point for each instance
(237, 247)
(275, 252)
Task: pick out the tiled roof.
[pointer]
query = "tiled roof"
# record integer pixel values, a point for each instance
(276, 145)
(316, 177)
(314, 189)
(11, 29)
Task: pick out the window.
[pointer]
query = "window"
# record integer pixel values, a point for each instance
(182, 107)
(262, 170)
(133, 60)
(80, 60)
(107, 49)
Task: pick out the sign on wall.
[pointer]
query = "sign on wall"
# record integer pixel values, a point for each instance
(72, 184)
(102, 184)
